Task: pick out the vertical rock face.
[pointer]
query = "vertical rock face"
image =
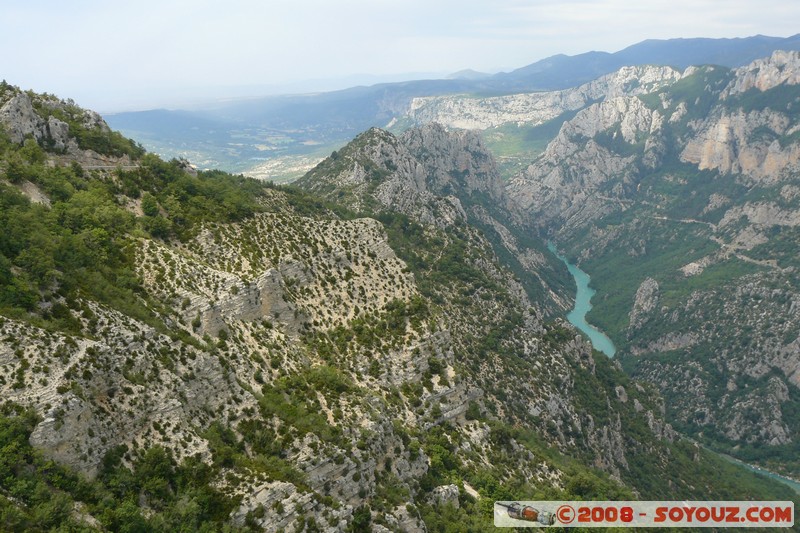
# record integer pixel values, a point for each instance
(455, 163)
(781, 68)
(376, 166)
(644, 303)
(745, 143)
(58, 134)
(591, 165)
(751, 137)
(428, 173)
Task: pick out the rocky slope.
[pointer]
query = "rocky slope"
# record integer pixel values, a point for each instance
(681, 204)
(517, 127)
(62, 127)
(440, 178)
(399, 169)
(580, 177)
(208, 351)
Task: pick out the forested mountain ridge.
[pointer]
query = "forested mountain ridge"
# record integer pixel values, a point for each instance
(682, 204)
(203, 351)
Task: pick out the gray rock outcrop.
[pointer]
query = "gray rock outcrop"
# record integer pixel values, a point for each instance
(20, 119)
(644, 303)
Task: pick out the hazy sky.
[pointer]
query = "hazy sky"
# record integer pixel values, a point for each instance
(113, 55)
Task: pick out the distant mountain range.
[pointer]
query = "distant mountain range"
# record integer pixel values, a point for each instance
(562, 71)
(237, 135)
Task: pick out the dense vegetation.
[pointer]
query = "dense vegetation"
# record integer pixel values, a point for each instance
(154, 494)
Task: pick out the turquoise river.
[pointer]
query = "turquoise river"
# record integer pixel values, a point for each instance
(583, 299)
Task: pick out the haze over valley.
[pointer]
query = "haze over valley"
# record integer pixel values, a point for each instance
(282, 137)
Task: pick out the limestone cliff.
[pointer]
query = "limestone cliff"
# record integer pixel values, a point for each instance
(588, 169)
(599, 157)
(748, 136)
(63, 127)
(428, 173)
(683, 201)
(781, 68)
(469, 112)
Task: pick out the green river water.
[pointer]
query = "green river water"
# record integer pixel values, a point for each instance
(777, 477)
